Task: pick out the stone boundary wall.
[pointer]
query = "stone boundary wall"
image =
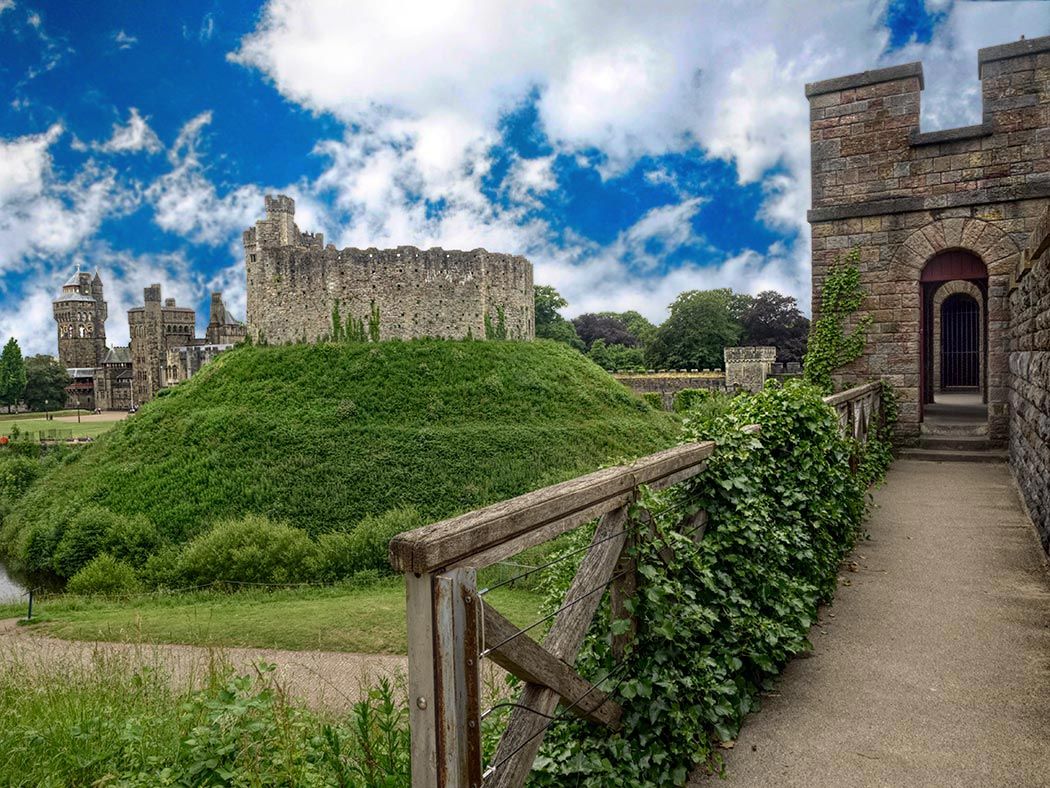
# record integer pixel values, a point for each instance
(295, 283)
(667, 384)
(1030, 377)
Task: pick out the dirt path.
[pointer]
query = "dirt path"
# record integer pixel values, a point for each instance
(933, 666)
(322, 679)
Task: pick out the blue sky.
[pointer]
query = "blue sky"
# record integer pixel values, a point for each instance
(630, 151)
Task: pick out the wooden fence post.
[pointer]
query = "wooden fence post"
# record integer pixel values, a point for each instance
(457, 679)
(421, 696)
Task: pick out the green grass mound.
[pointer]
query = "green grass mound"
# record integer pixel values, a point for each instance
(321, 436)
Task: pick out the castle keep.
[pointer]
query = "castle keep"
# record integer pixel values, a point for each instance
(939, 219)
(301, 290)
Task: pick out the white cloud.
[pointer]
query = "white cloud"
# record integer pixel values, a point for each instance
(6, 5)
(187, 203)
(425, 86)
(135, 136)
(124, 40)
(43, 215)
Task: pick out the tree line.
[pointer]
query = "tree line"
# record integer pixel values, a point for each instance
(701, 324)
(38, 381)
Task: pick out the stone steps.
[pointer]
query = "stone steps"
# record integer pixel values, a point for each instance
(954, 455)
(960, 442)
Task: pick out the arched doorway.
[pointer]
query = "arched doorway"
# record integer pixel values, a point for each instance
(960, 354)
(954, 346)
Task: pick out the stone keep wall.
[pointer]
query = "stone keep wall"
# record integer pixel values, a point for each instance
(295, 283)
(900, 196)
(748, 367)
(1030, 377)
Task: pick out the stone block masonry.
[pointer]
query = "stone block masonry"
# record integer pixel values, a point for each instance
(1030, 376)
(298, 288)
(914, 203)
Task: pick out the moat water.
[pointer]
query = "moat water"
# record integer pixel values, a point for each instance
(11, 588)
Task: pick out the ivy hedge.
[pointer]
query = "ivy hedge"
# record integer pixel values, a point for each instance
(720, 616)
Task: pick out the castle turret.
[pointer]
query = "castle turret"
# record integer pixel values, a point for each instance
(81, 312)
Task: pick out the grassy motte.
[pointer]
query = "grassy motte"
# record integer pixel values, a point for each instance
(366, 620)
(319, 436)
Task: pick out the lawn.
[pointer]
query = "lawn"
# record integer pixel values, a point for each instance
(368, 620)
(30, 426)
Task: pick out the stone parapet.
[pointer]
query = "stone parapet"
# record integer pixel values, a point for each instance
(748, 367)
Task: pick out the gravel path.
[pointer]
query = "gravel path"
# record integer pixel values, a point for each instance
(933, 666)
(322, 679)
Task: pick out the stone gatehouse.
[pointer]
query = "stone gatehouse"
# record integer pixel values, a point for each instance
(300, 290)
(939, 219)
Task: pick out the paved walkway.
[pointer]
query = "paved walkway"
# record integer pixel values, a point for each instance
(933, 666)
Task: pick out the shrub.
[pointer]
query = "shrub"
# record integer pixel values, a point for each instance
(104, 575)
(252, 549)
(343, 554)
(687, 399)
(163, 569)
(655, 399)
(85, 536)
(132, 539)
(16, 475)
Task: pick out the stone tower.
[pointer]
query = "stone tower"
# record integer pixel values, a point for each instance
(223, 328)
(155, 328)
(80, 311)
(936, 216)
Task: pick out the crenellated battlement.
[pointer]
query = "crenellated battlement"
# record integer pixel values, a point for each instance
(870, 156)
(297, 285)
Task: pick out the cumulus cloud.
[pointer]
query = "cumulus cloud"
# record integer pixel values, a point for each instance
(136, 135)
(6, 5)
(186, 202)
(41, 214)
(423, 94)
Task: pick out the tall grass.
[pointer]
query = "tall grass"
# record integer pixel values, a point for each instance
(111, 722)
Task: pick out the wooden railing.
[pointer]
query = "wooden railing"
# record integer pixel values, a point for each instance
(452, 628)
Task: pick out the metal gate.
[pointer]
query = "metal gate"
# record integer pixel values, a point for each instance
(960, 342)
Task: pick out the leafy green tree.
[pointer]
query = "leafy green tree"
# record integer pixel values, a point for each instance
(700, 327)
(46, 381)
(549, 323)
(12, 374)
(772, 318)
(640, 327)
(613, 357)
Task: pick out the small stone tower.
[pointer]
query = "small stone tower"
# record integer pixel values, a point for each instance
(223, 328)
(80, 311)
(155, 329)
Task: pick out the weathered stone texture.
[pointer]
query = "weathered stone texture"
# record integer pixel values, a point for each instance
(1029, 378)
(748, 367)
(80, 311)
(667, 384)
(295, 282)
(901, 197)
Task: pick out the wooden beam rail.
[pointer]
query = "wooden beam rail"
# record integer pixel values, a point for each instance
(451, 629)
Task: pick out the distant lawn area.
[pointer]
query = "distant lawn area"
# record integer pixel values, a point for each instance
(368, 620)
(63, 425)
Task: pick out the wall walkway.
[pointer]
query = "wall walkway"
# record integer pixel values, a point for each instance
(933, 665)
